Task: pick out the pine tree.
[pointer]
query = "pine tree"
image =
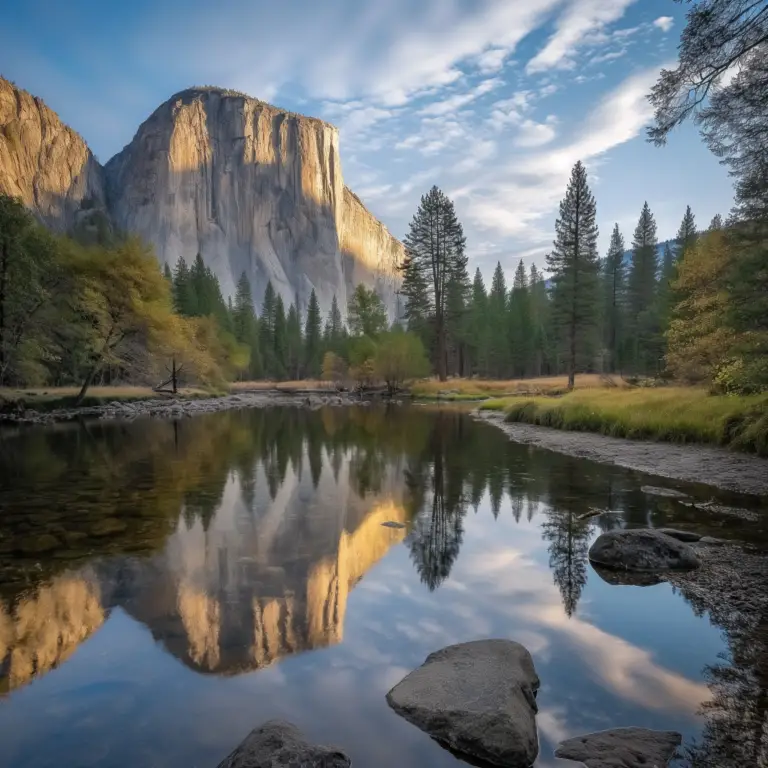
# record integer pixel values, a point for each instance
(716, 223)
(644, 327)
(167, 274)
(280, 340)
(574, 266)
(497, 321)
(293, 343)
(417, 302)
(267, 331)
(245, 326)
(184, 299)
(334, 331)
(312, 338)
(479, 336)
(456, 317)
(435, 245)
(520, 324)
(614, 297)
(540, 342)
(686, 234)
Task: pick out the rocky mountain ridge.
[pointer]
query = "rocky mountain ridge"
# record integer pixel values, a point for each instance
(250, 187)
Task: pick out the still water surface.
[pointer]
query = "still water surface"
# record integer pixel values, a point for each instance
(167, 586)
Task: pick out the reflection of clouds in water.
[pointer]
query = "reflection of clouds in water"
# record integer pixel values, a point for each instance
(506, 580)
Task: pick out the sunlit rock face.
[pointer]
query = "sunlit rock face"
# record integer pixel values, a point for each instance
(268, 578)
(45, 163)
(253, 189)
(42, 629)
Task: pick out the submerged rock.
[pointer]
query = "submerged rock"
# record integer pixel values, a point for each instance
(392, 524)
(622, 748)
(669, 493)
(278, 743)
(642, 549)
(687, 536)
(477, 699)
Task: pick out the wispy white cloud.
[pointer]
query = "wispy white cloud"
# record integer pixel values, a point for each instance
(664, 23)
(533, 134)
(459, 100)
(579, 22)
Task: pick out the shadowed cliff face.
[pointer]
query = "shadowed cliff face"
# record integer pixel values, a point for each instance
(250, 187)
(44, 162)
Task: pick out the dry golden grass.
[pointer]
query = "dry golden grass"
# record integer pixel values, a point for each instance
(478, 388)
(249, 386)
(672, 414)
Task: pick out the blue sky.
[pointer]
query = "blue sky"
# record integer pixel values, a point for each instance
(492, 100)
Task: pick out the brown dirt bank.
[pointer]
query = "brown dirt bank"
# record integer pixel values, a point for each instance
(713, 466)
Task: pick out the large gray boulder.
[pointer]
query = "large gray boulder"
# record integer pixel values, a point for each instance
(622, 748)
(689, 537)
(477, 699)
(642, 549)
(278, 744)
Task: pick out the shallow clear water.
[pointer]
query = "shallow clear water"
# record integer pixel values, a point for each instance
(167, 586)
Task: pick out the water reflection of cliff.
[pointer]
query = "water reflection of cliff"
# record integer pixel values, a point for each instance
(237, 538)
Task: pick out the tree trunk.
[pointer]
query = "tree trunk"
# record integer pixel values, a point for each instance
(441, 352)
(92, 371)
(173, 376)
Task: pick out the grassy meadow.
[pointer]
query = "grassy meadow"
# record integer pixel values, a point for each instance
(670, 414)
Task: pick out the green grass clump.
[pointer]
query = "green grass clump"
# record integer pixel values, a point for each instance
(670, 414)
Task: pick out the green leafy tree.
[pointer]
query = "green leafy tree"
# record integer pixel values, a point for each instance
(699, 338)
(435, 246)
(366, 313)
(644, 326)
(614, 299)
(458, 291)
(313, 337)
(400, 356)
(574, 266)
(30, 280)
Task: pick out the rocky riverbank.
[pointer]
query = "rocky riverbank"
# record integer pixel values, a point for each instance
(689, 463)
(175, 408)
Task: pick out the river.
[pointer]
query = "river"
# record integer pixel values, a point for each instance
(165, 586)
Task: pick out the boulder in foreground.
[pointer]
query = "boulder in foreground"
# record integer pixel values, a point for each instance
(622, 748)
(689, 537)
(642, 549)
(477, 699)
(278, 744)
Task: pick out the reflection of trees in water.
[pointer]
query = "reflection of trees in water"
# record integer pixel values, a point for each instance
(735, 731)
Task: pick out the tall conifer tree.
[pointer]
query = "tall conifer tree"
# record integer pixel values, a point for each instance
(313, 338)
(614, 298)
(435, 245)
(574, 266)
(644, 328)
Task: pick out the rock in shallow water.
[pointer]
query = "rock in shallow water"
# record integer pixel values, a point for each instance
(669, 493)
(477, 699)
(686, 536)
(642, 549)
(279, 744)
(622, 748)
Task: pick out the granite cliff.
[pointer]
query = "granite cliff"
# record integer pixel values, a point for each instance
(250, 187)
